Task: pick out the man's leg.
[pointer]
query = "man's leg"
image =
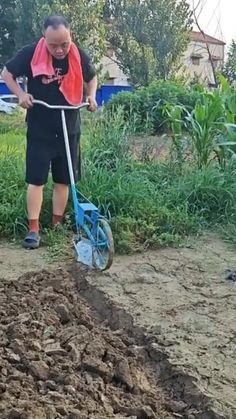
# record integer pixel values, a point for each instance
(60, 175)
(38, 156)
(34, 204)
(59, 201)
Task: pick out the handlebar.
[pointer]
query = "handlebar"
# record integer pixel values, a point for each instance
(41, 102)
(61, 107)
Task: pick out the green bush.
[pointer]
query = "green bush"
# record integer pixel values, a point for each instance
(144, 108)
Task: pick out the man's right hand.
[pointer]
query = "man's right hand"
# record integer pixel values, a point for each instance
(25, 100)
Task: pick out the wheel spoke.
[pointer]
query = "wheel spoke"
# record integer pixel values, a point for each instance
(103, 245)
(100, 255)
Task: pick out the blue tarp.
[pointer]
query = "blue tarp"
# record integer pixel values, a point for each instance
(107, 91)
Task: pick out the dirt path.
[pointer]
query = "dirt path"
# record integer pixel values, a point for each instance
(183, 301)
(183, 296)
(15, 261)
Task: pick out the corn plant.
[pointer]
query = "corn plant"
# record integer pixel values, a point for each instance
(175, 119)
(226, 135)
(226, 147)
(202, 124)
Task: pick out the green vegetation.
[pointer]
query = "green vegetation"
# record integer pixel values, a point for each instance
(230, 65)
(145, 107)
(148, 37)
(153, 202)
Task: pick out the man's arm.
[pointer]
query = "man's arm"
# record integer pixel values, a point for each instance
(91, 88)
(90, 79)
(25, 99)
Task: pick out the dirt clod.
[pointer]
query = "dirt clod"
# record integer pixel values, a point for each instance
(40, 370)
(57, 360)
(122, 374)
(63, 313)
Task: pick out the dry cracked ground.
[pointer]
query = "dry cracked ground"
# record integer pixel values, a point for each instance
(153, 337)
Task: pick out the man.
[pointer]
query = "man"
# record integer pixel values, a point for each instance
(56, 70)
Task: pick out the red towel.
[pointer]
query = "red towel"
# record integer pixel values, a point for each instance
(72, 83)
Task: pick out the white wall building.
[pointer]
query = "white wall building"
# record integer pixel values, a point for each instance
(195, 60)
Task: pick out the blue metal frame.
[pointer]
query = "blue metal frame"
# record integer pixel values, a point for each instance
(90, 213)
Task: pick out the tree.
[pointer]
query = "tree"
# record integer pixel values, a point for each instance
(30, 14)
(148, 36)
(87, 24)
(85, 17)
(230, 65)
(7, 29)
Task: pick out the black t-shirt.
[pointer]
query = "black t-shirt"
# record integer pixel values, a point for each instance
(47, 89)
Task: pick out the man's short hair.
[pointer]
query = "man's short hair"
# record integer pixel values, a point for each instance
(55, 21)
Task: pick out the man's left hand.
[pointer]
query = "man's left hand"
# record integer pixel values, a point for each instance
(92, 104)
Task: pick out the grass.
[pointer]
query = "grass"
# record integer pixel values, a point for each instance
(149, 204)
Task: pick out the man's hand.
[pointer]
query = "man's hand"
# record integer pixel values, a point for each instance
(25, 100)
(92, 104)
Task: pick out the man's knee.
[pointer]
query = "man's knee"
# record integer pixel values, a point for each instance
(35, 188)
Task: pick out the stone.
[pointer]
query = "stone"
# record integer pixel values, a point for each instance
(70, 390)
(35, 345)
(16, 414)
(122, 374)
(63, 313)
(24, 318)
(2, 388)
(74, 414)
(97, 367)
(75, 354)
(39, 370)
(18, 347)
(147, 410)
(177, 406)
(55, 349)
(155, 352)
(51, 385)
(12, 357)
(55, 395)
(88, 379)
(62, 410)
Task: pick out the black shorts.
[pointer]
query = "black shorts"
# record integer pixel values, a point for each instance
(45, 151)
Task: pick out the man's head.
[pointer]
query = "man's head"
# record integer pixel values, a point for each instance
(57, 36)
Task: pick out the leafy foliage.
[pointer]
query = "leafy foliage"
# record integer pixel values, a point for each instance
(23, 20)
(87, 25)
(211, 126)
(7, 29)
(146, 104)
(230, 65)
(148, 37)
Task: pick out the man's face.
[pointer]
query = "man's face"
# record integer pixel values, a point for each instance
(58, 41)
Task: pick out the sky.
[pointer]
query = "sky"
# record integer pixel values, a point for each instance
(217, 18)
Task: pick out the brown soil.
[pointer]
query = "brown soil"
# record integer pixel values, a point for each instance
(57, 360)
(153, 337)
(148, 148)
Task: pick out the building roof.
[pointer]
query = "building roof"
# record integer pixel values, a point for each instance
(198, 37)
